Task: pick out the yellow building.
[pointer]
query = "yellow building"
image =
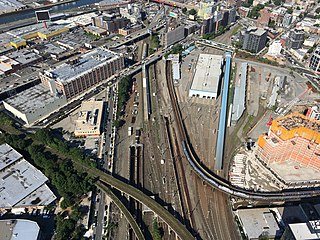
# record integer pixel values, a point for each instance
(18, 43)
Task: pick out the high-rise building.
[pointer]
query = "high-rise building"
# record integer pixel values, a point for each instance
(75, 77)
(254, 39)
(174, 35)
(295, 38)
(232, 15)
(315, 60)
(293, 137)
(111, 22)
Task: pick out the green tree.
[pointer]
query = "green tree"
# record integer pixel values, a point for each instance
(290, 10)
(184, 10)
(156, 230)
(317, 10)
(192, 12)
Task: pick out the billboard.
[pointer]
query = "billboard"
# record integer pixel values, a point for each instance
(42, 15)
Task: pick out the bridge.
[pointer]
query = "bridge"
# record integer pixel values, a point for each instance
(138, 195)
(217, 45)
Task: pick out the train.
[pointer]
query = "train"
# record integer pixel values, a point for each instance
(228, 188)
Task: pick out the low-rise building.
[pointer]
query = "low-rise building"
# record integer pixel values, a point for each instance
(19, 229)
(89, 119)
(21, 185)
(34, 104)
(207, 78)
(175, 61)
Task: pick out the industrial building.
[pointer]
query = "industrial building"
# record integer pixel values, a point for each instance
(239, 97)
(175, 61)
(293, 137)
(253, 39)
(315, 60)
(37, 31)
(80, 74)
(89, 119)
(7, 6)
(19, 229)
(295, 39)
(207, 77)
(22, 185)
(34, 104)
(314, 112)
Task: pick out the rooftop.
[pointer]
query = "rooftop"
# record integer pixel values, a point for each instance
(306, 231)
(89, 119)
(24, 56)
(18, 229)
(240, 94)
(67, 72)
(31, 99)
(207, 73)
(259, 220)
(10, 5)
(8, 156)
(296, 124)
(35, 28)
(18, 181)
(256, 31)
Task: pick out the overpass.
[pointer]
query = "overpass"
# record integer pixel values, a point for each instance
(138, 195)
(175, 4)
(220, 46)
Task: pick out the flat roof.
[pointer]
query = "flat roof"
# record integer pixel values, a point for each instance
(305, 231)
(34, 28)
(24, 56)
(207, 74)
(18, 181)
(10, 5)
(67, 72)
(31, 99)
(90, 116)
(8, 156)
(257, 220)
(239, 97)
(19, 229)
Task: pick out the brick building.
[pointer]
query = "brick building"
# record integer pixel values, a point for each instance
(264, 18)
(79, 75)
(293, 137)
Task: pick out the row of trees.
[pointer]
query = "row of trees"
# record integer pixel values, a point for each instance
(47, 137)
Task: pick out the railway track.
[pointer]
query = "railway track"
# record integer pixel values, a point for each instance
(219, 183)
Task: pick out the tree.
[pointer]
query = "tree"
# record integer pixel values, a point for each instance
(192, 12)
(184, 10)
(290, 10)
(277, 2)
(318, 10)
(155, 230)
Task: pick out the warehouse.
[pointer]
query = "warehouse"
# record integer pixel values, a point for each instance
(34, 103)
(207, 77)
(21, 185)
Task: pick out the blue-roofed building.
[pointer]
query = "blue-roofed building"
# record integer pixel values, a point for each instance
(223, 113)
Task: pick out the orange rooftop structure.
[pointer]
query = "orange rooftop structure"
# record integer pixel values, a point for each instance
(292, 137)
